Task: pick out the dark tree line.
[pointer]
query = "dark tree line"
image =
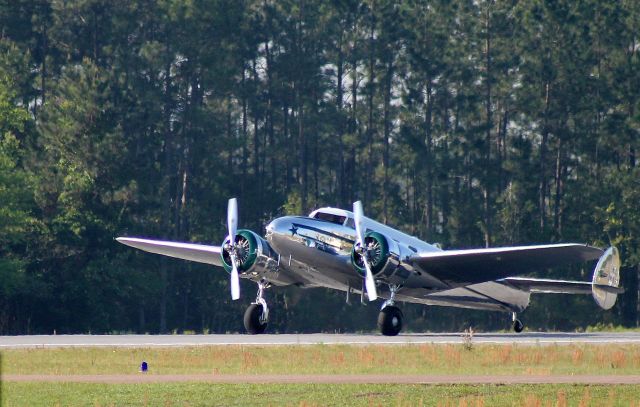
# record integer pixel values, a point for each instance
(468, 123)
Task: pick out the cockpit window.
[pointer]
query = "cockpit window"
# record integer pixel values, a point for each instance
(337, 219)
(350, 223)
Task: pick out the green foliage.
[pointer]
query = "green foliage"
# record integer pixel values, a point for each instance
(16, 219)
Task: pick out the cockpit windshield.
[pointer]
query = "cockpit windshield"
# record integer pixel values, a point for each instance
(337, 219)
(350, 223)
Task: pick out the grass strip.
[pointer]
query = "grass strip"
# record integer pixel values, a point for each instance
(578, 359)
(202, 394)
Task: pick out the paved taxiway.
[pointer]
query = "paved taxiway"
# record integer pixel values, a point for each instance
(528, 338)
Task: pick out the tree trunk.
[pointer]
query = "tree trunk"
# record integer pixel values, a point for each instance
(352, 166)
(557, 211)
(385, 142)
(489, 124)
(341, 190)
(369, 140)
(428, 158)
(167, 195)
(245, 136)
(256, 137)
(542, 189)
(638, 295)
(43, 72)
(303, 176)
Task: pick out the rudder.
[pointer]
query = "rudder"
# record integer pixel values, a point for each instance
(606, 278)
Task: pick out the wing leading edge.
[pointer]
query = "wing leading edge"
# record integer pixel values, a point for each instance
(458, 268)
(187, 251)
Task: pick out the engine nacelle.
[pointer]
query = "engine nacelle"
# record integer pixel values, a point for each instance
(384, 255)
(255, 256)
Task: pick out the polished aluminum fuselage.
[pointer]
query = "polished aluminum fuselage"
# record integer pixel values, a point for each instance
(317, 253)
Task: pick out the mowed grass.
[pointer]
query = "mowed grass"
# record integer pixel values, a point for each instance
(202, 394)
(330, 359)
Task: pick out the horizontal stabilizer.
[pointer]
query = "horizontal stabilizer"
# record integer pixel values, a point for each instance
(547, 286)
(187, 251)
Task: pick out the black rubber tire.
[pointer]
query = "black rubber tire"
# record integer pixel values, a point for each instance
(252, 320)
(518, 326)
(390, 321)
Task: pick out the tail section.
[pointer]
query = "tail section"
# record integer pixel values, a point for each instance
(606, 279)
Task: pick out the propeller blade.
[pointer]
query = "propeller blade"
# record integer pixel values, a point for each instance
(358, 220)
(232, 219)
(370, 284)
(235, 280)
(232, 224)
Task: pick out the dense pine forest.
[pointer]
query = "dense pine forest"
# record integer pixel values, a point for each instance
(469, 123)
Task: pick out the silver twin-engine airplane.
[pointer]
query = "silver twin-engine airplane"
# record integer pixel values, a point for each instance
(347, 251)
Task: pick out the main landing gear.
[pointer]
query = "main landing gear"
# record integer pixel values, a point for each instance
(257, 314)
(390, 317)
(517, 326)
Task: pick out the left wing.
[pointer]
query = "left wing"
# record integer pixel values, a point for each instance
(187, 251)
(458, 268)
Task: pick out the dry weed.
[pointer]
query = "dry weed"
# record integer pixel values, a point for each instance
(504, 354)
(618, 359)
(250, 361)
(577, 356)
(337, 359)
(532, 401)
(601, 358)
(611, 400)
(429, 354)
(365, 356)
(452, 355)
(586, 398)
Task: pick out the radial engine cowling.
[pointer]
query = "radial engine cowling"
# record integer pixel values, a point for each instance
(255, 256)
(384, 255)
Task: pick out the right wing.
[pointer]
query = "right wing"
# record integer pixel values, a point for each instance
(458, 268)
(187, 251)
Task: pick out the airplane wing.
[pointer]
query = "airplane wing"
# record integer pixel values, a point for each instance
(541, 285)
(187, 251)
(458, 268)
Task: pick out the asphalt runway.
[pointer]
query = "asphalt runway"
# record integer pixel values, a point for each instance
(527, 338)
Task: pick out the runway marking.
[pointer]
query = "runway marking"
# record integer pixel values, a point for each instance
(328, 379)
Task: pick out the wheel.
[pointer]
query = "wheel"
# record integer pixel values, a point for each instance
(390, 321)
(518, 326)
(252, 320)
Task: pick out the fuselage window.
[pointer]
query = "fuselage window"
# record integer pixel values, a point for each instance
(337, 219)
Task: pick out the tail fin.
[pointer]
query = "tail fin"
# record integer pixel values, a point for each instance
(606, 278)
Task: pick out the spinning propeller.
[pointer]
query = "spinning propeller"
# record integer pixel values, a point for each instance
(232, 224)
(361, 246)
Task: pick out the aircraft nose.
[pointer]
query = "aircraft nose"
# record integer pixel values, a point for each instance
(279, 225)
(279, 232)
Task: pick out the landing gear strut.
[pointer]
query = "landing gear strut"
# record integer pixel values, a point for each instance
(518, 326)
(390, 317)
(257, 314)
